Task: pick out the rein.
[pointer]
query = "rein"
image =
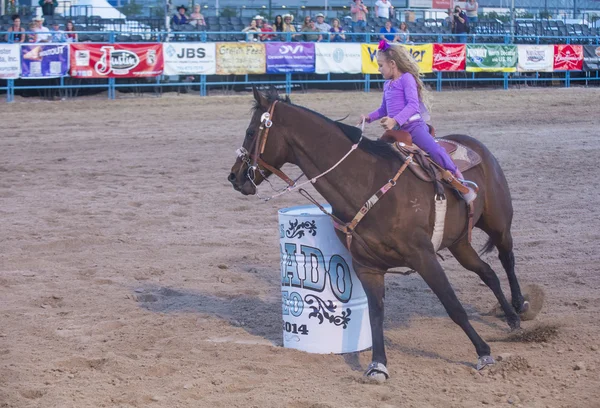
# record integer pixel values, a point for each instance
(348, 228)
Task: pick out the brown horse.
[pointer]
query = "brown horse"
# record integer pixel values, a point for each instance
(397, 231)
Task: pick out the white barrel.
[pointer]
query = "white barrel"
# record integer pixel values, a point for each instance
(325, 309)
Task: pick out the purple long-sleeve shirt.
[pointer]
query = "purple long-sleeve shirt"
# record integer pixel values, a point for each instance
(400, 100)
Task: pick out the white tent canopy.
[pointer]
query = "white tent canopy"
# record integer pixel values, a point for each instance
(101, 8)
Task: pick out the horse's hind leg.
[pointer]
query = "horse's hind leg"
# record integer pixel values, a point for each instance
(431, 271)
(507, 258)
(468, 258)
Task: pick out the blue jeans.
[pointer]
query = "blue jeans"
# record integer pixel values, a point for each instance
(361, 23)
(472, 20)
(461, 38)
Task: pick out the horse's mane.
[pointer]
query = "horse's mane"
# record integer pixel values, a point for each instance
(376, 148)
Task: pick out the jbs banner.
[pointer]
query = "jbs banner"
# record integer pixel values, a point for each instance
(568, 57)
(337, 58)
(535, 58)
(591, 57)
(491, 58)
(10, 66)
(423, 54)
(190, 58)
(116, 60)
(241, 58)
(44, 61)
(290, 57)
(449, 57)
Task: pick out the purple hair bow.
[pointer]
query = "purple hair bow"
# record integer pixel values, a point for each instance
(383, 45)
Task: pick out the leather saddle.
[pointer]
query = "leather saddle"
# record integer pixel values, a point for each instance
(464, 157)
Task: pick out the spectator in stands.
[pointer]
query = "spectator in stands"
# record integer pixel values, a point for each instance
(278, 23)
(460, 25)
(388, 32)
(259, 21)
(69, 28)
(472, 6)
(197, 18)
(266, 28)
(31, 36)
(251, 30)
(321, 25)
(384, 9)
(337, 31)
(180, 18)
(58, 36)
(359, 14)
(309, 28)
(42, 34)
(288, 26)
(48, 6)
(403, 33)
(17, 31)
(449, 20)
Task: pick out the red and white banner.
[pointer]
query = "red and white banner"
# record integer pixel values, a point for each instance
(449, 57)
(442, 4)
(568, 57)
(90, 60)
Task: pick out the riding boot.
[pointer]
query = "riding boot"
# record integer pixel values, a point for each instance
(467, 193)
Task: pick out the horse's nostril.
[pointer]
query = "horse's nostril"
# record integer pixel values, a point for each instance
(231, 177)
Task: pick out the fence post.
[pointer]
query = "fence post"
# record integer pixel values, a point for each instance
(288, 83)
(10, 91)
(439, 82)
(202, 85)
(111, 88)
(568, 79)
(505, 80)
(367, 82)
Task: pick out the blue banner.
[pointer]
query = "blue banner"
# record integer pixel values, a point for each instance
(290, 57)
(44, 61)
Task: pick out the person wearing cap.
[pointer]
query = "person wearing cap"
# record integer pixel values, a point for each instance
(259, 21)
(58, 36)
(48, 7)
(42, 34)
(180, 18)
(321, 25)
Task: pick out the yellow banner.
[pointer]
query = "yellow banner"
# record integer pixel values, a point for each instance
(422, 53)
(241, 58)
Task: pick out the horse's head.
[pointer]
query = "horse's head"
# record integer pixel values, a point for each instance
(264, 149)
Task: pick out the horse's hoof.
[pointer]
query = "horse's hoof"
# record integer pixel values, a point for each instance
(484, 361)
(514, 323)
(377, 372)
(524, 307)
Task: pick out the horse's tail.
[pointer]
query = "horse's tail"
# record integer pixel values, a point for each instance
(488, 247)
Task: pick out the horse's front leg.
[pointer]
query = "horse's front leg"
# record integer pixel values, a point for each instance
(373, 283)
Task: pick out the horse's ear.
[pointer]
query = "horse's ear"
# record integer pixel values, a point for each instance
(259, 97)
(287, 99)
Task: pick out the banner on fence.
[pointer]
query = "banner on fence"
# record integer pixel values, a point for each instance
(535, 58)
(423, 54)
(190, 58)
(89, 60)
(591, 57)
(241, 58)
(568, 57)
(449, 57)
(491, 58)
(290, 57)
(337, 58)
(44, 61)
(10, 63)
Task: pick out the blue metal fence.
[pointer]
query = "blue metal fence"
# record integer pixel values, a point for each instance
(202, 84)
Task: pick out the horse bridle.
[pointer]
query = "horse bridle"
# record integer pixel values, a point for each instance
(253, 161)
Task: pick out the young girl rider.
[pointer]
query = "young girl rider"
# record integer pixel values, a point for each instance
(403, 108)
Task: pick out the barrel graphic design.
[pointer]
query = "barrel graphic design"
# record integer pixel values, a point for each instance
(324, 306)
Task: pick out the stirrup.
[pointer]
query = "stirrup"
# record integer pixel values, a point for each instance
(470, 196)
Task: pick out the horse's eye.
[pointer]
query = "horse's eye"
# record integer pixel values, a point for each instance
(249, 134)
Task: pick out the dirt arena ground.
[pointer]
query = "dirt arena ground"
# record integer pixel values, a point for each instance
(133, 275)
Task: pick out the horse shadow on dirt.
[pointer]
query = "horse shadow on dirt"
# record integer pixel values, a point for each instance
(407, 298)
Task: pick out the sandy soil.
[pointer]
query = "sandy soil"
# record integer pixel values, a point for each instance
(133, 275)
